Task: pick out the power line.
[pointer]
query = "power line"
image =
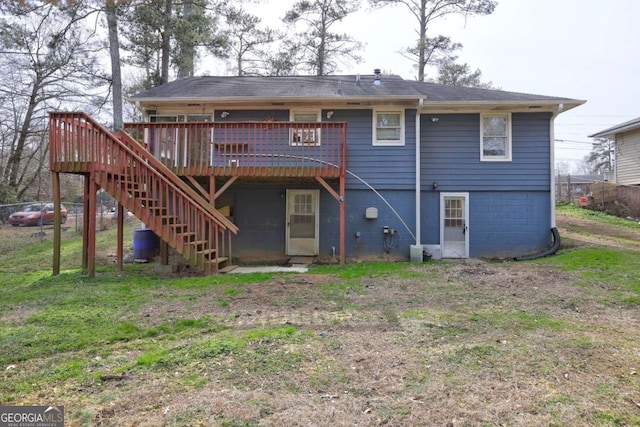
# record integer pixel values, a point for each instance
(573, 140)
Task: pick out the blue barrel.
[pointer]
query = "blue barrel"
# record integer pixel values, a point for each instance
(145, 243)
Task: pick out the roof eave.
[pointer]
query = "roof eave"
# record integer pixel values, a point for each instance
(611, 132)
(544, 105)
(245, 100)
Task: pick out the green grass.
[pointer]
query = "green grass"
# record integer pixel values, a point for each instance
(79, 332)
(368, 269)
(618, 269)
(600, 217)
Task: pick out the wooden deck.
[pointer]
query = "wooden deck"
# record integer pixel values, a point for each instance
(141, 167)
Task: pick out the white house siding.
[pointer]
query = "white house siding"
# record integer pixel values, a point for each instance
(628, 158)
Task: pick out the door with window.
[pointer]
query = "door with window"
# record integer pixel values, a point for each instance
(454, 225)
(174, 146)
(302, 222)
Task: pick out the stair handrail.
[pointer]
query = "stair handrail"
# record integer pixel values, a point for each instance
(146, 158)
(165, 171)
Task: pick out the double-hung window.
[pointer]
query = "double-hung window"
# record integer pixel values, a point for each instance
(388, 127)
(305, 134)
(495, 137)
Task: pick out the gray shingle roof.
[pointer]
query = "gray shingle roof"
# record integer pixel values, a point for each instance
(330, 87)
(622, 127)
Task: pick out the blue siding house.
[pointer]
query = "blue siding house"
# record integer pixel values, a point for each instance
(362, 167)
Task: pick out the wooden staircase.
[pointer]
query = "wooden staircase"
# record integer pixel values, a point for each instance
(179, 215)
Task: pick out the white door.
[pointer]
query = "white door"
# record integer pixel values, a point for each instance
(302, 222)
(454, 225)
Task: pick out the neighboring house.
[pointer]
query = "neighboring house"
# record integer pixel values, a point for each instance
(350, 166)
(627, 151)
(569, 187)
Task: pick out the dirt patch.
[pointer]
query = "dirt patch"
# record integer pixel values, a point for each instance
(590, 232)
(463, 344)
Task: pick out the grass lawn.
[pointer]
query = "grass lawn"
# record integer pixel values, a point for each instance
(552, 342)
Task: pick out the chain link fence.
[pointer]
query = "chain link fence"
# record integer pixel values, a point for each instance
(23, 224)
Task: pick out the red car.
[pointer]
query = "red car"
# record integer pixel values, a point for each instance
(36, 214)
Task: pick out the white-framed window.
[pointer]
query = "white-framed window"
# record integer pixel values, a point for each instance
(495, 137)
(388, 127)
(308, 135)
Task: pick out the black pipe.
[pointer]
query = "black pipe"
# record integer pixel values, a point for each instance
(552, 250)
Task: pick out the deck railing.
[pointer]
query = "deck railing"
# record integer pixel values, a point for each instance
(138, 181)
(278, 149)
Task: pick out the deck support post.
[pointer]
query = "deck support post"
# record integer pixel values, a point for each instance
(86, 206)
(340, 198)
(57, 221)
(164, 253)
(91, 213)
(213, 233)
(343, 249)
(120, 238)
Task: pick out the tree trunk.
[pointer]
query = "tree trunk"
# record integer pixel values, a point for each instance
(114, 51)
(166, 43)
(422, 41)
(186, 62)
(321, 50)
(14, 161)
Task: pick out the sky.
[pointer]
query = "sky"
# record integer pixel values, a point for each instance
(581, 49)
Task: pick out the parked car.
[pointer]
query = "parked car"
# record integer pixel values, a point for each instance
(36, 214)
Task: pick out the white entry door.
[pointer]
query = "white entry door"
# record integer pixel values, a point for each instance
(454, 225)
(302, 222)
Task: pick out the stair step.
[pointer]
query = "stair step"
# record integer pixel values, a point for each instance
(221, 260)
(227, 269)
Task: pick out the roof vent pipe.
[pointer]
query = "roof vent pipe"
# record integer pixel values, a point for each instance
(357, 79)
(376, 80)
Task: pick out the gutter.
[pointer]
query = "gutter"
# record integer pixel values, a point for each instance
(552, 165)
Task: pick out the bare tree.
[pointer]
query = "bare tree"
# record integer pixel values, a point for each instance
(583, 167)
(248, 42)
(321, 48)
(427, 11)
(49, 61)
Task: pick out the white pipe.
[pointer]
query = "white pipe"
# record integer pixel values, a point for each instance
(552, 147)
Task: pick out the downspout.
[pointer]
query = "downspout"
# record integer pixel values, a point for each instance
(418, 174)
(554, 229)
(416, 251)
(552, 166)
